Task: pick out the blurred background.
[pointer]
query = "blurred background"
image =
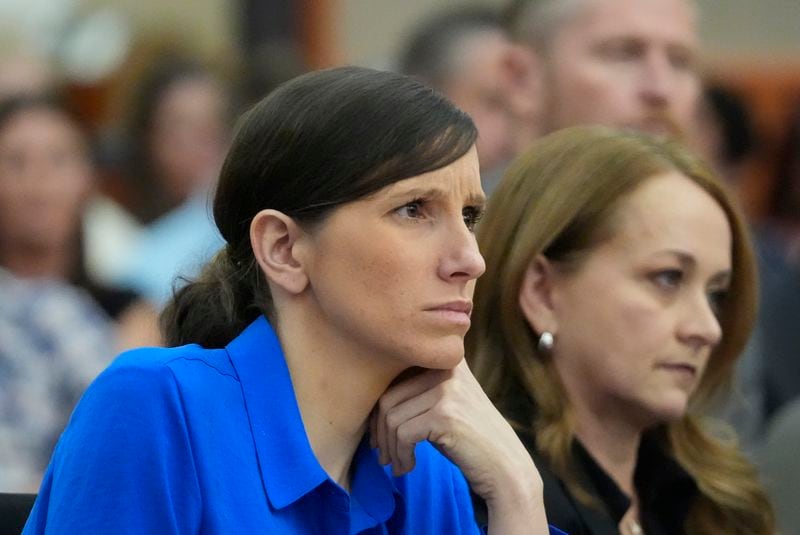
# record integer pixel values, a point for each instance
(100, 46)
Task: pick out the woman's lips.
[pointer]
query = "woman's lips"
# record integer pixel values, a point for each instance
(455, 311)
(684, 372)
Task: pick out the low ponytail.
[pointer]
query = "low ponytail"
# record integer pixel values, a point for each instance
(214, 308)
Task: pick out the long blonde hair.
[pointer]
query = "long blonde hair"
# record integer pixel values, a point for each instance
(558, 199)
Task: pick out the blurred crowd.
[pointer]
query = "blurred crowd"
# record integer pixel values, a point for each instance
(99, 222)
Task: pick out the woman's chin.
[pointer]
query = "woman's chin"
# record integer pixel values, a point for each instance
(672, 410)
(443, 354)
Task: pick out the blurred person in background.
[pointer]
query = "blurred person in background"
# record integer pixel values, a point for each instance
(468, 56)
(55, 337)
(780, 235)
(621, 63)
(54, 340)
(633, 64)
(724, 133)
(769, 372)
(24, 72)
(778, 462)
(265, 68)
(784, 210)
(619, 291)
(176, 135)
(46, 179)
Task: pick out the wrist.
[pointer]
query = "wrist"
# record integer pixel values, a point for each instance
(518, 508)
(515, 486)
(515, 495)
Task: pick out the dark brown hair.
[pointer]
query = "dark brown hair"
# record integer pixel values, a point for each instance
(321, 140)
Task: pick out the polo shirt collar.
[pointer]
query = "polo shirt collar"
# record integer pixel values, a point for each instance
(373, 489)
(289, 469)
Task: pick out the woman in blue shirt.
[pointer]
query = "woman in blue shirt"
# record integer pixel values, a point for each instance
(325, 339)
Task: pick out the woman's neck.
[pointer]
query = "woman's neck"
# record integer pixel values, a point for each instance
(612, 442)
(336, 385)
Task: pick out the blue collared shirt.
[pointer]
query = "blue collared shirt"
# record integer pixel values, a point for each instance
(191, 440)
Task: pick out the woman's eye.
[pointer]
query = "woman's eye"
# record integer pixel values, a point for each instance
(668, 278)
(472, 214)
(411, 210)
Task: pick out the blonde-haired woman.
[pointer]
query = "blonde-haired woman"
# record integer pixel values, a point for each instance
(618, 293)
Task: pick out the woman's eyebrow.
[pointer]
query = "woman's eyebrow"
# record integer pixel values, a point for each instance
(688, 261)
(433, 193)
(685, 259)
(423, 193)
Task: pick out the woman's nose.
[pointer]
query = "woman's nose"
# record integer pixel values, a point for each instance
(700, 325)
(462, 260)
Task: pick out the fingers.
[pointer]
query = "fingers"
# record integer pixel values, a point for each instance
(373, 428)
(431, 414)
(436, 405)
(409, 423)
(395, 396)
(451, 411)
(407, 435)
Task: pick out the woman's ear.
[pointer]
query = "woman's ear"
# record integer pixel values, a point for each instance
(536, 296)
(274, 238)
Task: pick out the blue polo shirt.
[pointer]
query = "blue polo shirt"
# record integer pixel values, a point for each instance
(191, 440)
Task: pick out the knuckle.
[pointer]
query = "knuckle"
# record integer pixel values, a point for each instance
(393, 419)
(385, 404)
(445, 390)
(445, 409)
(405, 436)
(453, 389)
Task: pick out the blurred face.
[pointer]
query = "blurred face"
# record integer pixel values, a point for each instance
(393, 274)
(635, 324)
(624, 63)
(189, 136)
(22, 74)
(45, 175)
(488, 88)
